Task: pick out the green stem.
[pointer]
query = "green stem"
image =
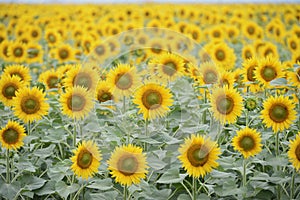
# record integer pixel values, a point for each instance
(29, 129)
(278, 167)
(194, 188)
(292, 185)
(247, 117)
(125, 192)
(244, 173)
(146, 133)
(124, 104)
(74, 134)
(204, 112)
(7, 167)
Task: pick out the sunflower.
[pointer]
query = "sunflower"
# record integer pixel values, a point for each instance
(294, 152)
(248, 52)
(294, 77)
(199, 155)
(64, 53)
(169, 66)
(293, 43)
(35, 53)
(128, 165)
(227, 104)
(50, 78)
(82, 76)
(86, 159)
(209, 73)
(153, 100)
(278, 113)
(269, 50)
(9, 85)
(17, 52)
(12, 135)
(77, 102)
(247, 142)
(226, 79)
(223, 55)
(251, 29)
(156, 46)
(52, 37)
(18, 70)
(100, 50)
(103, 93)
(4, 46)
(29, 104)
(122, 80)
(268, 69)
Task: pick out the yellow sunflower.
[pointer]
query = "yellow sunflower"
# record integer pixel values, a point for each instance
(294, 77)
(226, 79)
(77, 102)
(223, 55)
(153, 100)
(294, 152)
(50, 78)
(64, 53)
(268, 69)
(128, 165)
(248, 72)
(248, 52)
(9, 85)
(12, 135)
(103, 93)
(247, 142)
(86, 159)
(82, 76)
(52, 37)
(278, 113)
(123, 80)
(29, 104)
(209, 73)
(18, 70)
(4, 46)
(35, 53)
(227, 104)
(17, 52)
(199, 155)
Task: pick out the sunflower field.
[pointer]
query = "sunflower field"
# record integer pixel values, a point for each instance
(150, 101)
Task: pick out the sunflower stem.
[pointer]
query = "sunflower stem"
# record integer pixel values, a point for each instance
(277, 145)
(125, 192)
(293, 185)
(194, 188)
(204, 111)
(74, 134)
(146, 132)
(244, 173)
(7, 167)
(29, 128)
(124, 104)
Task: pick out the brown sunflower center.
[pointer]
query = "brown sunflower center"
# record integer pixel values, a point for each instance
(63, 53)
(297, 152)
(225, 105)
(51, 38)
(127, 165)
(30, 105)
(83, 80)
(156, 48)
(85, 159)
(123, 81)
(210, 77)
(100, 50)
(220, 55)
(76, 102)
(293, 45)
(248, 54)
(18, 52)
(104, 96)
(9, 91)
(17, 74)
(34, 33)
(250, 73)
(224, 82)
(216, 34)
(10, 136)
(250, 30)
(268, 73)
(278, 113)
(52, 82)
(247, 143)
(195, 35)
(169, 68)
(152, 99)
(197, 155)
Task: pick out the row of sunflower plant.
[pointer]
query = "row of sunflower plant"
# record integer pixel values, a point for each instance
(124, 102)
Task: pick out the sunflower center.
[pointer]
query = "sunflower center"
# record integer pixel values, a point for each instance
(268, 73)
(18, 52)
(250, 30)
(10, 136)
(197, 155)
(9, 91)
(127, 165)
(63, 53)
(297, 152)
(250, 73)
(225, 105)
(52, 38)
(278, 113)
(104, 97)
(247, 143)
(293, 45)
(76, 102)
(82, 79)
(169, 68)
(248, 54)
(156, 48)
(99, 50)
(224, 82)
(216, 34)
(220, 55)
(34, 34)
(52, 82)
(151, 99)
(123, 81)
(210, 77)
(30, 105)
(85, 159)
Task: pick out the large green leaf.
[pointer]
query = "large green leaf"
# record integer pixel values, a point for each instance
(172, 176)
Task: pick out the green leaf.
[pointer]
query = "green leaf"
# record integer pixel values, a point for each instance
(278, 82)
(172, 176)
(24, 165)
(9, 191)
(111, 195)
(49, 188)
(219, 174)
(155, 162)
(45, 152)
(103, 185)
(33, 182)
(65, 190)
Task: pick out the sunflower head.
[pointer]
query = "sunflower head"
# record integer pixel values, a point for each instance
(12, 135)
(250, 104)
(294, 152)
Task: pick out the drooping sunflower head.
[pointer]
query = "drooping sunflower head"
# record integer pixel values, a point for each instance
(86, 159)
(77, 102)
(278, 113)
(247, 142)
(153, 100)
(226, 104)
(18, 70)
(198, 155)
(294, 152)
(12, 135)
(30, 104)
(128, 165)
(9, 85)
